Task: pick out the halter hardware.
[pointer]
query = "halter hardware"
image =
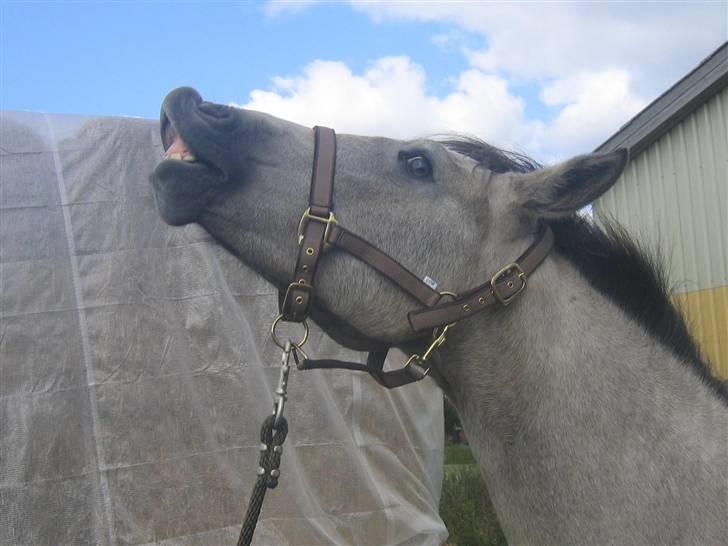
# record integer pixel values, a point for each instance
(419, 361)
(437, 341)
(308, 217)
(319, 230)
(510, 268)
(280, 344)
(415, 367)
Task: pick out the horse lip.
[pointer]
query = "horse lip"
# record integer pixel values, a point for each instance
(180, 99)
(181, 116)
(167, 129)
(170, 134)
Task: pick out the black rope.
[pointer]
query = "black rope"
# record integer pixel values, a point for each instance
(271, 449)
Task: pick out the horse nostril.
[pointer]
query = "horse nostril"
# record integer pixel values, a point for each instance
(169, 133)
(218, 111)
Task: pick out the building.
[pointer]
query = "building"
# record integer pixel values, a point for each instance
(674, 195)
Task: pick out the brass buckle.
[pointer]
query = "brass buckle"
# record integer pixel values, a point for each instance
(500, 274)
(307, 216)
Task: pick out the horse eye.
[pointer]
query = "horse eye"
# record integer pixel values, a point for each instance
(419, 166)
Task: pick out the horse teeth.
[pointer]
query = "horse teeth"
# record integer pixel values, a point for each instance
(189, 158)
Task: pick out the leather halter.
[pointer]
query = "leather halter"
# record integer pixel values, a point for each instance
(319, 229)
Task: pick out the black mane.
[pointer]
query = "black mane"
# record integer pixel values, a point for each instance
(636, 281)
(613, 263)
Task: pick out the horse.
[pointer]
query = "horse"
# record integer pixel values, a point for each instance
(590, 411)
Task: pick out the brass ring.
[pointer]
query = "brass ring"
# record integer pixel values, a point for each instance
(277, 341)
(436, 332)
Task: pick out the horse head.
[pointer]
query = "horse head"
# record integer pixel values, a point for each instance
(450, 210)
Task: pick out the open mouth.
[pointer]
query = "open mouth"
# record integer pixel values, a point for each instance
(177, 150)
(174, 147)
(195, 169)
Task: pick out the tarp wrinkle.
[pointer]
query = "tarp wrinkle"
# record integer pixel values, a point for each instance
(135, 370)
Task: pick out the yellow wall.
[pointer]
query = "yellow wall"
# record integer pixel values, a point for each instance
(707, 315)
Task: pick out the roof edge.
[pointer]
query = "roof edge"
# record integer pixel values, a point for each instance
(674, 105)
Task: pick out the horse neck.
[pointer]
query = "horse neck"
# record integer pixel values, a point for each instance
(557, 388)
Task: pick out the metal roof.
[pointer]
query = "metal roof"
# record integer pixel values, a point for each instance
(667, 110)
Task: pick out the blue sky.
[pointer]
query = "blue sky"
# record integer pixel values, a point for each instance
(549, 79)
(121, 58)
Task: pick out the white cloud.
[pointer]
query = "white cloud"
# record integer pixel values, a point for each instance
(657, 41)
(594, 106)
(390, 99)
(596, 64)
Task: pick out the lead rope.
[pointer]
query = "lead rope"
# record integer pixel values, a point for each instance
(272, 435)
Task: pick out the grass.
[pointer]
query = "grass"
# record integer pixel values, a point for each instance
(465, 506)
(458, 454)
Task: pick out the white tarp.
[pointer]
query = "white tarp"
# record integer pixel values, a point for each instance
(135, 371)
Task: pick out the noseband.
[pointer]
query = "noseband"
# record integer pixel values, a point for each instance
(319, 230)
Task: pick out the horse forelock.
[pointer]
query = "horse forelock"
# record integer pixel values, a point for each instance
(493, 158)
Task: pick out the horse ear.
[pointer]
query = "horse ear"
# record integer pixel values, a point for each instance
(562, 189)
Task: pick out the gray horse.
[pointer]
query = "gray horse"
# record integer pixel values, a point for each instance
(590, 412)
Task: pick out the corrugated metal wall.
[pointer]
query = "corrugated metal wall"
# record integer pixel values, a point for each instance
(674, 195)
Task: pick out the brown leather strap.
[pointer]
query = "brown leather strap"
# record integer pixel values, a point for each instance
(502, 288)
(390, 268)
(318, 228)
(298, 298)
(374, 367)
(324, 166)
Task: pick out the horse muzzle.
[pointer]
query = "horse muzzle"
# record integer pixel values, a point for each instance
(198, 139)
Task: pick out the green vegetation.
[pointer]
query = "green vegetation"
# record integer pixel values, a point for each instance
(458, 454)
(465, 505)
